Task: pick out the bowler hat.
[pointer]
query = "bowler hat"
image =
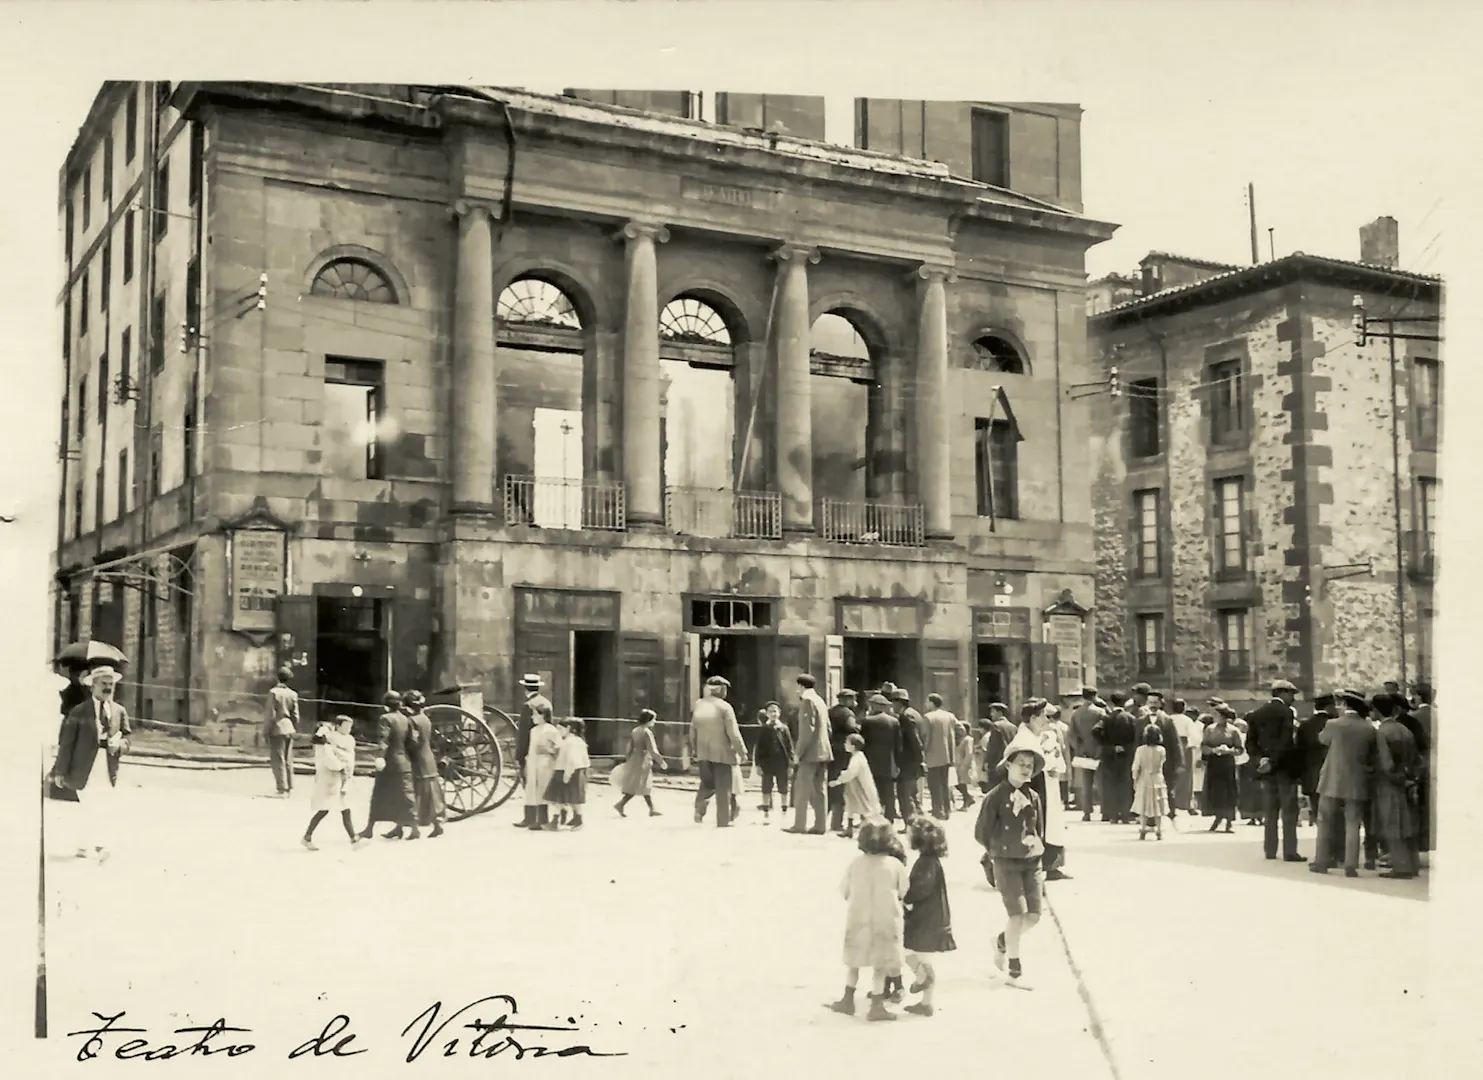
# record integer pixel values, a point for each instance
(1141, 688)
(879, 700)
(899, 694)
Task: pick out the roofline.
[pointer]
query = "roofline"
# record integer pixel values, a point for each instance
(1188, 261)
(90, 128)
(1295, 267)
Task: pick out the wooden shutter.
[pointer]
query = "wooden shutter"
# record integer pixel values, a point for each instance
(792, 654)
(942, 673)
(1044, 681)
(411, 638)
(298, 630)
(640, 675)
(692, 676)
(833, 667)
(547, 653)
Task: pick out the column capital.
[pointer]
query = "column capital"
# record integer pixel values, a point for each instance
(931, 272)
(463, 208)
(801, 253)
(640, 230)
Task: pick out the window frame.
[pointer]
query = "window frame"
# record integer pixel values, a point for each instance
(128, 260)
(123, 482)
(1000, 122)
(1222, 548)
(1227, 397)
(102, 387)
(1427, 416)
(1145, 390)
(1141, 540)
(107, 167)
(87, 198)
(1150, 662)
(83, 302)
(986, 452)
(1224, 617)
(126, 356)
(161, 200)
(105, 275)
(159, 308)
(370, 375)
(131, 126)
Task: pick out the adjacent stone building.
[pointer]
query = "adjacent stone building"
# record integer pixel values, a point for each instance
(1251, 521)
(432, 387)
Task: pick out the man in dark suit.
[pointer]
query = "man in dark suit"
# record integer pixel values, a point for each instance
(1173, 749)
(912, 765)
(1343, 781)
(96, 728)
(813, 756)
(717, 747)
(842, 724)
(882, 733)
(1272, 744)
(1313, 749)
(1084, 745)
(1117, 736)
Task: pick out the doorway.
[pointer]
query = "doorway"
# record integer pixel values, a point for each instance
(993, 677)
(594, 673)
(868, 662)
(351, 657)
(741, 661)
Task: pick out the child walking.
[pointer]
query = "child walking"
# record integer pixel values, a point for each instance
(1150, 791)
(334, 764)
(1008, 827)
(873, 886)
(929, 920)
(862, 802)
(568, 787)
(638, 766)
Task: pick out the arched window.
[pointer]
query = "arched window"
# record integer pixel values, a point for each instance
(992, 352)
(834, 338)
(353, 279)
(697, 418)
(694, 322)
(536, 302)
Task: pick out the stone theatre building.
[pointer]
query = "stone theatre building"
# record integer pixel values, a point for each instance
(1265, 490)
(424, 387)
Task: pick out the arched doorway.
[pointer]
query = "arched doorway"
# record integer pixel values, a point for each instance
(542, 346)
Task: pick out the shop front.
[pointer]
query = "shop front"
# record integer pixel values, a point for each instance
(881, 640)
(1010, 665)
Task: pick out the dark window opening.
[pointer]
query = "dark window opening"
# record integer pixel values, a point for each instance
(162, 200)
(1227, 416)
(990, 137)
(102, 388)
(107, 168)
(996, 468)
(1426, 404)
(123, 482)
(105, 285)
(197, 163)
(157, 335)
(1143, 418)
(1150, 644)
(353, 409)
(128, 246)
(125, 361)
(731, 614)
(82, 314)
(131, 125)
(994, 353)
(87, 198)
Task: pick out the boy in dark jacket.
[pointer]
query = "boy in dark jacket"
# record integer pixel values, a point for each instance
(773, 756)
(1008, 828)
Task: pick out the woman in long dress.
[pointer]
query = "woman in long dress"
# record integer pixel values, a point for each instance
(1219, 749)
(638, 766)
(392, 798)
(427, 786)
(540, 763)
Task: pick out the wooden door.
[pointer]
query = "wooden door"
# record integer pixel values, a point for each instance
(942, 673)
(640, 675)
(691, 686)
(547, 653)
(1045, 681)
(411, 640)
(298, 631)
(833, 668)
(792, 661)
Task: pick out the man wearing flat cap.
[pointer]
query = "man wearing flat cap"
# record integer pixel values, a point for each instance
(717, 747)
(842, 724)
(1344, 782)
(1084, 748)
(912, 764)
(1272, 744)
(881, 731)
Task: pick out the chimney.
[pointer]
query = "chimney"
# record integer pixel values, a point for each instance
(1380, 243)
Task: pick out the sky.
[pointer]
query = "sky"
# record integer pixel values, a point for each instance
(1337, 110)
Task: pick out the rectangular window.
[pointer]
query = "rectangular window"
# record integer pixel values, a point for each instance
(87, 198)
(107, 168)
(1426, 400)
(990, 136)
(66, 425)
(353, 404)
(105, 283)
(98, 498)
(128, 246)
(126, 358)
(1227, 417)
(162, 200)
(67, 328)
(1230, 526)
(123, 482)
(198, 162)
(82, 408)
(996, 468)
(1428, 491)
(131, 125)
(1235, 641)
(82, 315)
(102, 388)
(77, 511)
(1149, 562)
(190, 431)
(1150, 644)
(156, 456)
(1143, 418)
(157, 335)
(161, 96)
(862, 123)
(71, 226)
(193, 296)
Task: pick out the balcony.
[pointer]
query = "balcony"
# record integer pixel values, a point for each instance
(743, 515)
(1421, 555)
(882, 524)
(556, 503)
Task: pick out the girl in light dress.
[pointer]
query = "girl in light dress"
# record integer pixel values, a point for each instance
(568, 787)
(862, 802)
(1150, 794)
(334, 764)
(874, 887)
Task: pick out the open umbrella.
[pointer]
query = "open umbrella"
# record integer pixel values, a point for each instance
(82, 653)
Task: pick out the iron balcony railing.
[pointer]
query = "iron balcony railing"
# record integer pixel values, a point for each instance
(745, 515)
(556, 503)
(1421, 555)
(885, 524)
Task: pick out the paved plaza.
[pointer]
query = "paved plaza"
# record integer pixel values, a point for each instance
(683, 946)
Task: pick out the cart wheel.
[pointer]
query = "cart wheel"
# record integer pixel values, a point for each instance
(470, 764)
(503, 727)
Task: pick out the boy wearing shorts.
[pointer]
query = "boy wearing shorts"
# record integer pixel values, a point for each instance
(1009, 830)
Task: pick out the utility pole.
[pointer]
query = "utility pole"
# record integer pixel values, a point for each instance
(1362, 335)
(1256, 255)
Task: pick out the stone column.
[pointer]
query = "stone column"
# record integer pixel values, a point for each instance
(793, 419)
(641, 375)
(475, 388)
(934, 416)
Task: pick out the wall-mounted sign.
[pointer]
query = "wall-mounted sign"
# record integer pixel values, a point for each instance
(1065, 633)
(567, 609)
(884, 618)
(1002, 623)
(259, 566)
